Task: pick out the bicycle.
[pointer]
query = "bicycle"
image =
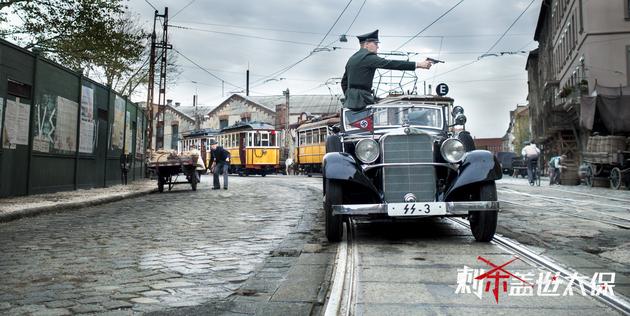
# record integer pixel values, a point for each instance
(535, 175)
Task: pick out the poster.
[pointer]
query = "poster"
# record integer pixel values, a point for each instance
(87, 128)
(139, 138)
(16, 124)
(128, 134)
(56, 125)
(66, 132)
(44, 129)
(1, 125)
(118, 127)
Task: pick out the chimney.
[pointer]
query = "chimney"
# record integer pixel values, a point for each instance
(177, 104)
(169, 102)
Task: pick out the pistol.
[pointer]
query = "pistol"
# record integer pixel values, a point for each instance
(434, 61)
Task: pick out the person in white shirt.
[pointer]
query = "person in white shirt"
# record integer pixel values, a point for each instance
(530, 153)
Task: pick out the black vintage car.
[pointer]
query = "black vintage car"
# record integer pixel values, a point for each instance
(399, 159)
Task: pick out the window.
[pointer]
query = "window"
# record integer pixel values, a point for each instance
(264, 139)
(223, 123)
(302, 138)
(626, 7)
(628, 64)
(174, 136)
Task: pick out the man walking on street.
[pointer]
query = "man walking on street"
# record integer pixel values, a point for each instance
(220, 163)
(530, 153)
(556, 167)
(360, 68)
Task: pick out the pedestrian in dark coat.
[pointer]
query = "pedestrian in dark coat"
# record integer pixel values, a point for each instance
(360, 68)
(220, 163)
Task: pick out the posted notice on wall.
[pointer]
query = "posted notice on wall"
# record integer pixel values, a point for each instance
(128, 135)
(118, 127)
(16, 124)
(87, 129)
(66, 133)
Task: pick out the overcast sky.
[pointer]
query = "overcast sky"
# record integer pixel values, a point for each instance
(227, 37)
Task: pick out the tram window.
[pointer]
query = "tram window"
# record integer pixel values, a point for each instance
(302, 138)
(250, 139)
(264, 139)
(322, 135)
(257, 139)
(273, 139)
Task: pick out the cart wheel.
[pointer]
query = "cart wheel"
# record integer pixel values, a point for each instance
(193, 181)
(589, 176)
(615, 178)
(161, 184)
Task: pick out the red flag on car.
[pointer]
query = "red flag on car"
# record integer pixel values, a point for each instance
(365, 123)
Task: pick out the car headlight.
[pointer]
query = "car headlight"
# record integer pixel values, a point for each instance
(453, 150)
(367, 150)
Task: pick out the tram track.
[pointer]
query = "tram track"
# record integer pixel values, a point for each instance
(615, 301)
(342, 296)
(611, 219)
(342, 293)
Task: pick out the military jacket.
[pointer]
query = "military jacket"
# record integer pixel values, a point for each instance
(357, 79)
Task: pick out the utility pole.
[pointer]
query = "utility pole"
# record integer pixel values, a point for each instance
(247, 83)
(149, 110)
(287, 133)
(165, 46)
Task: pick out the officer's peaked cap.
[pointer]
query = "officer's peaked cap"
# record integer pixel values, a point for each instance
(369, 37)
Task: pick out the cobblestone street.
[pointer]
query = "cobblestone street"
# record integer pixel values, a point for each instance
(179, 248)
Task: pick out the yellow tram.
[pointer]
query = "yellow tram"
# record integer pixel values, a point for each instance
(197, 140)
(311, 146)
(253, 148)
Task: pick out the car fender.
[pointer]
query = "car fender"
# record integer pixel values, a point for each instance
(478, 166)
(343, 167)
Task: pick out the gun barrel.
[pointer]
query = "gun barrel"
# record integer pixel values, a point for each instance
(435, 61)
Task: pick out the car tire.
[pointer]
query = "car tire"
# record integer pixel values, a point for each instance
(483, 225)
(334, 223)
(333, 144)
(467, 140)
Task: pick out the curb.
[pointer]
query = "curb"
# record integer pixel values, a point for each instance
(39, 210)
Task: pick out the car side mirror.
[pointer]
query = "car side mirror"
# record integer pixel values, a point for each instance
(336, 128)
(457, 110)
(460, 119)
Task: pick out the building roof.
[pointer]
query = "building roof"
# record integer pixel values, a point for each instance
(249, 126)
(190, 110)
(314, 104)
(541, 18)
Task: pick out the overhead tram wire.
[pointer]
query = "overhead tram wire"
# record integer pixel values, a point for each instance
(285, 69)
(493, 45)
(151, 4)
(337, 20)
(206, 71)
(355, 16)
(241, 35)
(182, 9)
(428, 26)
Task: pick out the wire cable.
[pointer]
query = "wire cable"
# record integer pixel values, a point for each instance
(151, 4)
(182, 9)
(510, 27)
(337, 20)
(428, 26)
(206, 71)
(356, 16)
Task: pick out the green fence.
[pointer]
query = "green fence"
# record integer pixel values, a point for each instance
(60, 130)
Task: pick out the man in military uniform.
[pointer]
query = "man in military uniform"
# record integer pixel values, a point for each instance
(357, 79)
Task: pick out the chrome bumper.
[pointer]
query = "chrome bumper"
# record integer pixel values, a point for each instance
(452, 208)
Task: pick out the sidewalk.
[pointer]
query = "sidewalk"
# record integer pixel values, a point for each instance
(23, 206)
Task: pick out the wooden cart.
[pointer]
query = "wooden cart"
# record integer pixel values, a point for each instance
(168, 171)
(607, 161)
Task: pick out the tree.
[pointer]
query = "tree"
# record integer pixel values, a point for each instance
(84, 35)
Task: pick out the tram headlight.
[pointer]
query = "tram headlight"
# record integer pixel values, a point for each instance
(453, 150)
(367, 150)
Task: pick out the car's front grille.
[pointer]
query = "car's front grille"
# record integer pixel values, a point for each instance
(400, 180)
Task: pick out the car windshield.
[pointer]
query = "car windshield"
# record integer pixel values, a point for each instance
(397, 115)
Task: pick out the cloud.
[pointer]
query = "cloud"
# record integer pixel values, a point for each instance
(459, 38)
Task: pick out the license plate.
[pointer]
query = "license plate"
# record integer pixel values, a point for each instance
(416, 209)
